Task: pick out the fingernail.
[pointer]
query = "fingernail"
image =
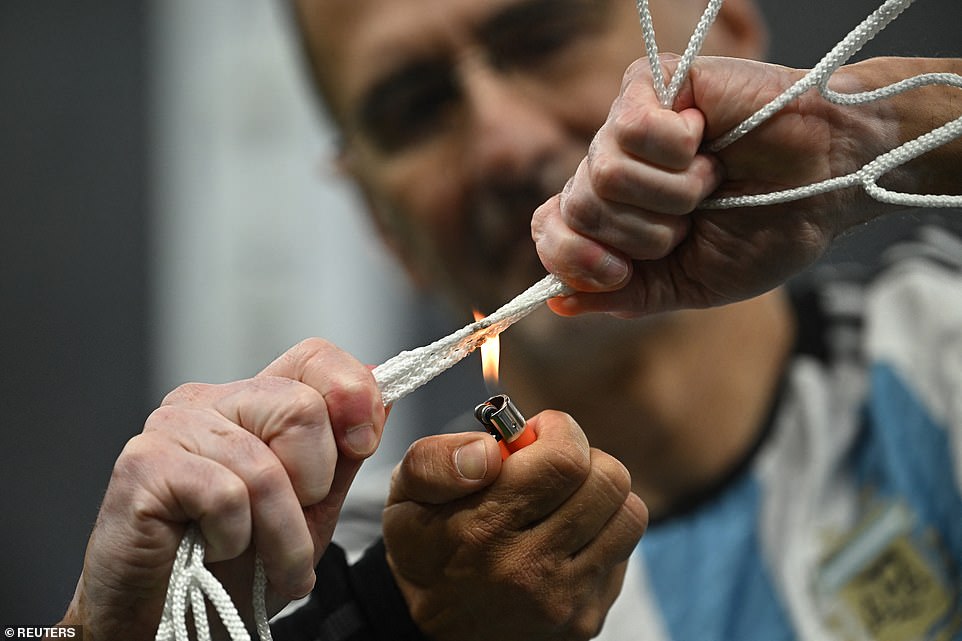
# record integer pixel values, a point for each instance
(361, 439)
(611, 271)
(471, 460)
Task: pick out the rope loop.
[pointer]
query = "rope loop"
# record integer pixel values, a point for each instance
(191, 582)
(867, 177)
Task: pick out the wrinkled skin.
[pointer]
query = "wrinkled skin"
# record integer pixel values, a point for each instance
(540, 553)
(458, 119)
(628, 219)
(262, 462)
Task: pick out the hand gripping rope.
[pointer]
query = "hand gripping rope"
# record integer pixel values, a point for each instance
(191, 581)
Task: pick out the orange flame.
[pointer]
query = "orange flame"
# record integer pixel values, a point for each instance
(490, 356)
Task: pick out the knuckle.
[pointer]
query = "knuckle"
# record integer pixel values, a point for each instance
(301, 354)
(691, 197)
(614, 473)
(414, 456)
(660, 243)
(541, 219)
(689, 141)
(354, 392)
(417, 464)
(637, 69)
(576, 262)
(629, 124)
(133, 462)
(527, 574)
(142, 508)
(303, 405)
(661, 246)
(683, 197)
(480, 537)
(638, 512)
(566, 422)
(586, 624)
(296, 554)
(222, 500)
(185, 393)
(229, 495)
(397, 473)
(266, 476)
(569, 465)
(674, 198)
(310, 347)
(605, 175)
(558, 612)
(582, 216)
(567, 607)
(558, 615)
(160, 417)
(489, 528)
(262, 472)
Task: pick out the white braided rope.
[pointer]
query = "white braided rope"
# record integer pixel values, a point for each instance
(667, 93)
(409, 370)
(190, 582)
(820, 73)
(869, 175)
(404, 373)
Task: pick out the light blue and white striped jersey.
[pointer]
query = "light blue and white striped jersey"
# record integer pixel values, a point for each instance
(847, 523)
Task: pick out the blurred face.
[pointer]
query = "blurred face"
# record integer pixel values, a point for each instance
(461, 117)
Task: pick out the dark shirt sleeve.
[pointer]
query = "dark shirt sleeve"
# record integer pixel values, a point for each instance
(359, 602)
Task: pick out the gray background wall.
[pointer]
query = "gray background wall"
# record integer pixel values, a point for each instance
(78, 299)
(73, 345)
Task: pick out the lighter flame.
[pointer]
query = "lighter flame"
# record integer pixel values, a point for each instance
(490, 356)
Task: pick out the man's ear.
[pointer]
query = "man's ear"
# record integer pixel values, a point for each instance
(739, 31)
(388, 225)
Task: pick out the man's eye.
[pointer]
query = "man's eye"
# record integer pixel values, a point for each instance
(540, 31)
(408, 109)
(537, 44)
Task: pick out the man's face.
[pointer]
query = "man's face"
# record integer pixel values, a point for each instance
(461, 117)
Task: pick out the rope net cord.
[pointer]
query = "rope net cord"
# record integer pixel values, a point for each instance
(191, 581)
(867, 177)
(404, 373)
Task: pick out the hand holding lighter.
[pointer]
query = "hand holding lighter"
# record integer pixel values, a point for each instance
(501, 418)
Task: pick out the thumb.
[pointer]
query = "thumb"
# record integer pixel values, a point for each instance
(445, 467)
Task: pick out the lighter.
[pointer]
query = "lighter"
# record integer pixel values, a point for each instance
(504, 421)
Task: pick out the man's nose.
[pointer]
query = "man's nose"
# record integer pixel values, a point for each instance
(510, 129)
